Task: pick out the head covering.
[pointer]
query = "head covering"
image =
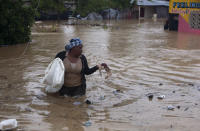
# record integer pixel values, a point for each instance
(72, 43)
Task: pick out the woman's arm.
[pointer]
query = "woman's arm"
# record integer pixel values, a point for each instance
(61, 55)
(88, 70)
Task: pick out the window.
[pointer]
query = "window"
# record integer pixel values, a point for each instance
(194, 19)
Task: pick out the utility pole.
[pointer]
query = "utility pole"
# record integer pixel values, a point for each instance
(139, 13)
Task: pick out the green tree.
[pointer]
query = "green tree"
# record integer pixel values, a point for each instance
(47, 6)
(120, 4)
(16, 20)
(86, 6)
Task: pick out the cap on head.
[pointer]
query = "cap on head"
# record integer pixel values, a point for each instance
(72, 43)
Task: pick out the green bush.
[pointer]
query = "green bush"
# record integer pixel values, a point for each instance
(16, 20)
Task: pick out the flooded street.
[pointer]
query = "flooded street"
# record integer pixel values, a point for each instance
(143, 58)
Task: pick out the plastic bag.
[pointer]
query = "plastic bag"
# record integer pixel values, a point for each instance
(8, 124)
(54, 76)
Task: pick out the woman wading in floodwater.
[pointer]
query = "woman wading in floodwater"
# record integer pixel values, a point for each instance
(76, 67)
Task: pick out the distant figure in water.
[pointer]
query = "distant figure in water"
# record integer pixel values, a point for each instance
(76, 67)
(166, 26)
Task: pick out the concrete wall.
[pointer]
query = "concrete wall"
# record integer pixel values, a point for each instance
(149, 11)
(161, 11)
(184, 26)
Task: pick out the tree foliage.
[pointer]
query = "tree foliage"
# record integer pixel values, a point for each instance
(49, 8)
(15, 22)
(87, 6)
(51, 5)
(16, 19)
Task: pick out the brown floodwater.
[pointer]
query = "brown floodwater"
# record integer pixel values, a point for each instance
(143, 58)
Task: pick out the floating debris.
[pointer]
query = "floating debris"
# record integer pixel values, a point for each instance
(28, 109)
(170, 107)
(76, 103)
(161, 97)
(178, 107)
(87, 123)
(88, 102)
(150, 96)
(91, 107)
(160, 84)
(77, 96)
(44, 113)
(9, 124)
(119, 91)
(115, 92)
(65, 128)
(66, 96)
(102, 98)
(174, 91)
(191, 84)
(186, 109)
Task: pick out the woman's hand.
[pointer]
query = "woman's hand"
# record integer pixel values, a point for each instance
(102, 66)
(107, 69)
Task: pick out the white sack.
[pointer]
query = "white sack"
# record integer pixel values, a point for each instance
(54, 76)
(8, 124)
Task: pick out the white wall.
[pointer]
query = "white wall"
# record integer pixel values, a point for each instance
(161, 11)
(149, 11)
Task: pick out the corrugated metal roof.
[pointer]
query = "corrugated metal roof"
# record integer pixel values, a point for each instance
(151, 2)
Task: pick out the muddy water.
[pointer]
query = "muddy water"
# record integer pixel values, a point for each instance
(144, 59)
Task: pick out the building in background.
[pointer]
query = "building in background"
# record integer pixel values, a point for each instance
(186, 13)
(151, 8)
